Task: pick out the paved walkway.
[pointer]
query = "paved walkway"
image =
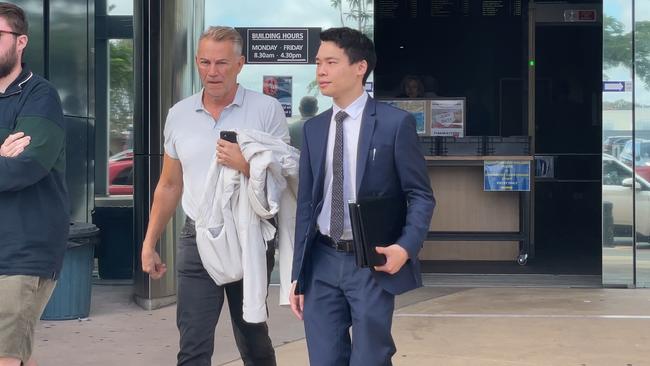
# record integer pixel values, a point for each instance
(433, 326)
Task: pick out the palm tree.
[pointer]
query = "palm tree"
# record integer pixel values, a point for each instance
(339, 4)
(359, 12)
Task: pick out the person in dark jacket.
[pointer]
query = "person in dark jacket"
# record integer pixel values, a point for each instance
(34, 208)
(308, 108)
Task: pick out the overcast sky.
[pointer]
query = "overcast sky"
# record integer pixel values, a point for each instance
(273, 13)
(122, 7)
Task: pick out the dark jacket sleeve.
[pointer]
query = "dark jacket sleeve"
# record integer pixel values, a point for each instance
(41, 118)
(415, 184)
(304, 208)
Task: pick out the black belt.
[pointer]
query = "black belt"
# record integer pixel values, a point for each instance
(346, 246)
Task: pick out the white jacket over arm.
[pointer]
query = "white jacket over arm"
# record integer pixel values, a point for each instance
(232, 227)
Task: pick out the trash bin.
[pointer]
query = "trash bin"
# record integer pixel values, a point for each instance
(71, 296)
(115, 254)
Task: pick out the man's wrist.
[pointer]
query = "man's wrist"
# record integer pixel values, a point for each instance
(148, 245)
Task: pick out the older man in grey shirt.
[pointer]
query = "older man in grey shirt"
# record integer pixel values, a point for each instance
(191, 140)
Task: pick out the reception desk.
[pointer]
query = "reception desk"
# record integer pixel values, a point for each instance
(471, 224)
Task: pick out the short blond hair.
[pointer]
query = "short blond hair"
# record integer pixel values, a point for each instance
(221, 33)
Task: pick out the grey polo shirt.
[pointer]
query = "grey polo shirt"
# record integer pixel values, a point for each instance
(191, 134)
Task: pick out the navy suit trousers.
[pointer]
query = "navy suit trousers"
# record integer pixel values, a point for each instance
(339, 296)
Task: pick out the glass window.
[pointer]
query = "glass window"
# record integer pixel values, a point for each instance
(121, 99)
(125, 177)
(290, 13)
(614, 173)
(642, 138)
(119, 7)
(644, 150)
(617, 162)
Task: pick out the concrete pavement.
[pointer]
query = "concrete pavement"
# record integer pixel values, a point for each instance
(432, 326)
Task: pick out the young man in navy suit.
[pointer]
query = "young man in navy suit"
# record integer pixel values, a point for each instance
(359, 148)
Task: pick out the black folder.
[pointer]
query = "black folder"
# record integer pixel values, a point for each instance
(376, 222)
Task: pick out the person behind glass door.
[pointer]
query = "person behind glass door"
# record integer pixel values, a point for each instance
(411, 87)
(308, 108)
(430, 86)
(192, 133)
(329, 291)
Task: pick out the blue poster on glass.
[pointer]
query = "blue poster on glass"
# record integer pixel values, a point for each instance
(417, 108)
(506, 176)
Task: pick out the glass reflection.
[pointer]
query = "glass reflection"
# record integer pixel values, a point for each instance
(68, 60)
(119, 7)
(121, 96)
(34, 55)
(642, 137)
(617, 190)
(618, 182)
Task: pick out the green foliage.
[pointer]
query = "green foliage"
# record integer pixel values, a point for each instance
(642, 51)
(338, 4)
(617, 50)
(618, 45)
(122, 93)
(358, 11)
(312, 88)
(618, 105)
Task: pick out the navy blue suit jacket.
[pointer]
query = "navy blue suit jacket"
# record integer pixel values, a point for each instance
(398, 167)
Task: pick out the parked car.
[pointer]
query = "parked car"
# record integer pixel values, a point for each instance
(618, 186)
(641, 153)
(643, 171)
(614, 144)
(120, 173)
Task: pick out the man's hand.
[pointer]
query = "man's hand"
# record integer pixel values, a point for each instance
(14, 145)
(396, 256)
(297, 301)
(229, 154)
(152, 264)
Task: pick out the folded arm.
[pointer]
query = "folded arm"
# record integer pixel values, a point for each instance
(14, 145)
(45, 151)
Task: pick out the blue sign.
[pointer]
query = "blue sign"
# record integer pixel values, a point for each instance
(506, 176)
(616, 86)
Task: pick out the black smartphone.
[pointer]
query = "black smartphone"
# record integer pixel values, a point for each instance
(230, 136)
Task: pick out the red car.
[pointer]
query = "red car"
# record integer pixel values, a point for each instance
(120, 173)
(643, 171)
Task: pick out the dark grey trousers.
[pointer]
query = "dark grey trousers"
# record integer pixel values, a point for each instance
(199, 303)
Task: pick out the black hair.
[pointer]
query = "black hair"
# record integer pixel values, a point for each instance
(308, 106)
(356, 45)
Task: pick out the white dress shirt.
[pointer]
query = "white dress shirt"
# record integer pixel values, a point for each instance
(351, 129)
